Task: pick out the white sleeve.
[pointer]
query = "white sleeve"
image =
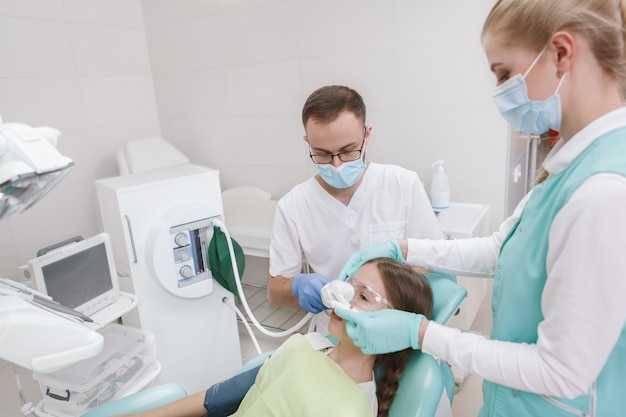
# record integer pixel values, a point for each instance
(285, 249)
(583, 303)
(473, 256)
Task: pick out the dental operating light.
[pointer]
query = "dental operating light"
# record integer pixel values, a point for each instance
(31, 335)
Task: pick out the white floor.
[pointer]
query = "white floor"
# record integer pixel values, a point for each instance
(467, 400)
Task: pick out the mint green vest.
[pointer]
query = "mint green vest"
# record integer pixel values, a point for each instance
(518, 286)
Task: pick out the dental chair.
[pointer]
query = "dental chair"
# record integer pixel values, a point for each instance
(419, 391)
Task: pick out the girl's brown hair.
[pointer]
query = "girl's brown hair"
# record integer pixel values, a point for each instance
(406, 290)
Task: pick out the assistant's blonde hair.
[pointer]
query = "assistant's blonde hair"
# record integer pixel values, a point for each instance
(532, 23)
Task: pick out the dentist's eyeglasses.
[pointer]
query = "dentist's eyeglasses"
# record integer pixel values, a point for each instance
(345, 156)
(366, 298)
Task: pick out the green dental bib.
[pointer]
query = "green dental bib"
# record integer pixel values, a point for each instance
(299, 381)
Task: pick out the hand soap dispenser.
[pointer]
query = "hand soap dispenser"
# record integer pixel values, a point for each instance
(439, 188)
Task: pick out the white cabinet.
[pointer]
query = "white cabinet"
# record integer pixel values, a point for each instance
(459, 221)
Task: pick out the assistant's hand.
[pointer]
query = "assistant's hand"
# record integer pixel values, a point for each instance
(387, 249)
(382, 331)
(308, 287)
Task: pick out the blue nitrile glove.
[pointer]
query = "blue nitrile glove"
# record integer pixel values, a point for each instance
(382, 331)
(387, 249)
(308, 287)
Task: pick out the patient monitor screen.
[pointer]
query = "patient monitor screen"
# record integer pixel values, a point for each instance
(78, 278)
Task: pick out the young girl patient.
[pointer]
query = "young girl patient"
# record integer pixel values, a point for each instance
(308, 376)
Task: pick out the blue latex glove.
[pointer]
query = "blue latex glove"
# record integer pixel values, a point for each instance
(308, 287)
(387, 249)
(382, 331)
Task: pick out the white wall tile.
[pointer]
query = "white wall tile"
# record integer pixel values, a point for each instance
(186, 45)
(269, 140)
(34, 48)
(436, 22)
(423, 77)
(68, 210)
(77, 145)
(113, 100)
(110, 12)
(371, 74)
(157, 12)
(464, 139)
(40, 9)
(230, 5)
(109, 50)
(383, 145)
(261, 34)
(263, 89)
(206, 141)
(93, 150)
(7, 246)
(191, 94)
(54, 102)
(329, 27)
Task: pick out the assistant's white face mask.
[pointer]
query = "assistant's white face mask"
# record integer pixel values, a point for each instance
(535, 117)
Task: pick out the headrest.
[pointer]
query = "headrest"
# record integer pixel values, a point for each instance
(447, 295)
(148, 154)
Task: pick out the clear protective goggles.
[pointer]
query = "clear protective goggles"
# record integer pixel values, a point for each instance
(353, 295)
(366, 298)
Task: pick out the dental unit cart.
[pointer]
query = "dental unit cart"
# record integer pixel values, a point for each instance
(80, 275)
(126, 365)
(160, 223)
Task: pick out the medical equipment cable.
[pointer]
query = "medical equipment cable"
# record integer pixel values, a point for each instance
(256, 323)
(27, 407)
(227, 301)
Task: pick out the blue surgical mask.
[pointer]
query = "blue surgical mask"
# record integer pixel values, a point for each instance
(345, 175)
(525, 115)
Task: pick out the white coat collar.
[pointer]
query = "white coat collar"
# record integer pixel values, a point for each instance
(564, 153)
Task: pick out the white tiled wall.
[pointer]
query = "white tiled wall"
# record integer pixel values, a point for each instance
(225, 81)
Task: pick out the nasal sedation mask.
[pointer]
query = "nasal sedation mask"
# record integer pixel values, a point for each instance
(338, 294)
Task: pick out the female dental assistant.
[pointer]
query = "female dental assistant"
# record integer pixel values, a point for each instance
(558, 341)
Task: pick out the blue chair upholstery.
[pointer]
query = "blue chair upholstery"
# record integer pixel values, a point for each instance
(447, 295)
(424, 379)
(419, 391)
(153, 397)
